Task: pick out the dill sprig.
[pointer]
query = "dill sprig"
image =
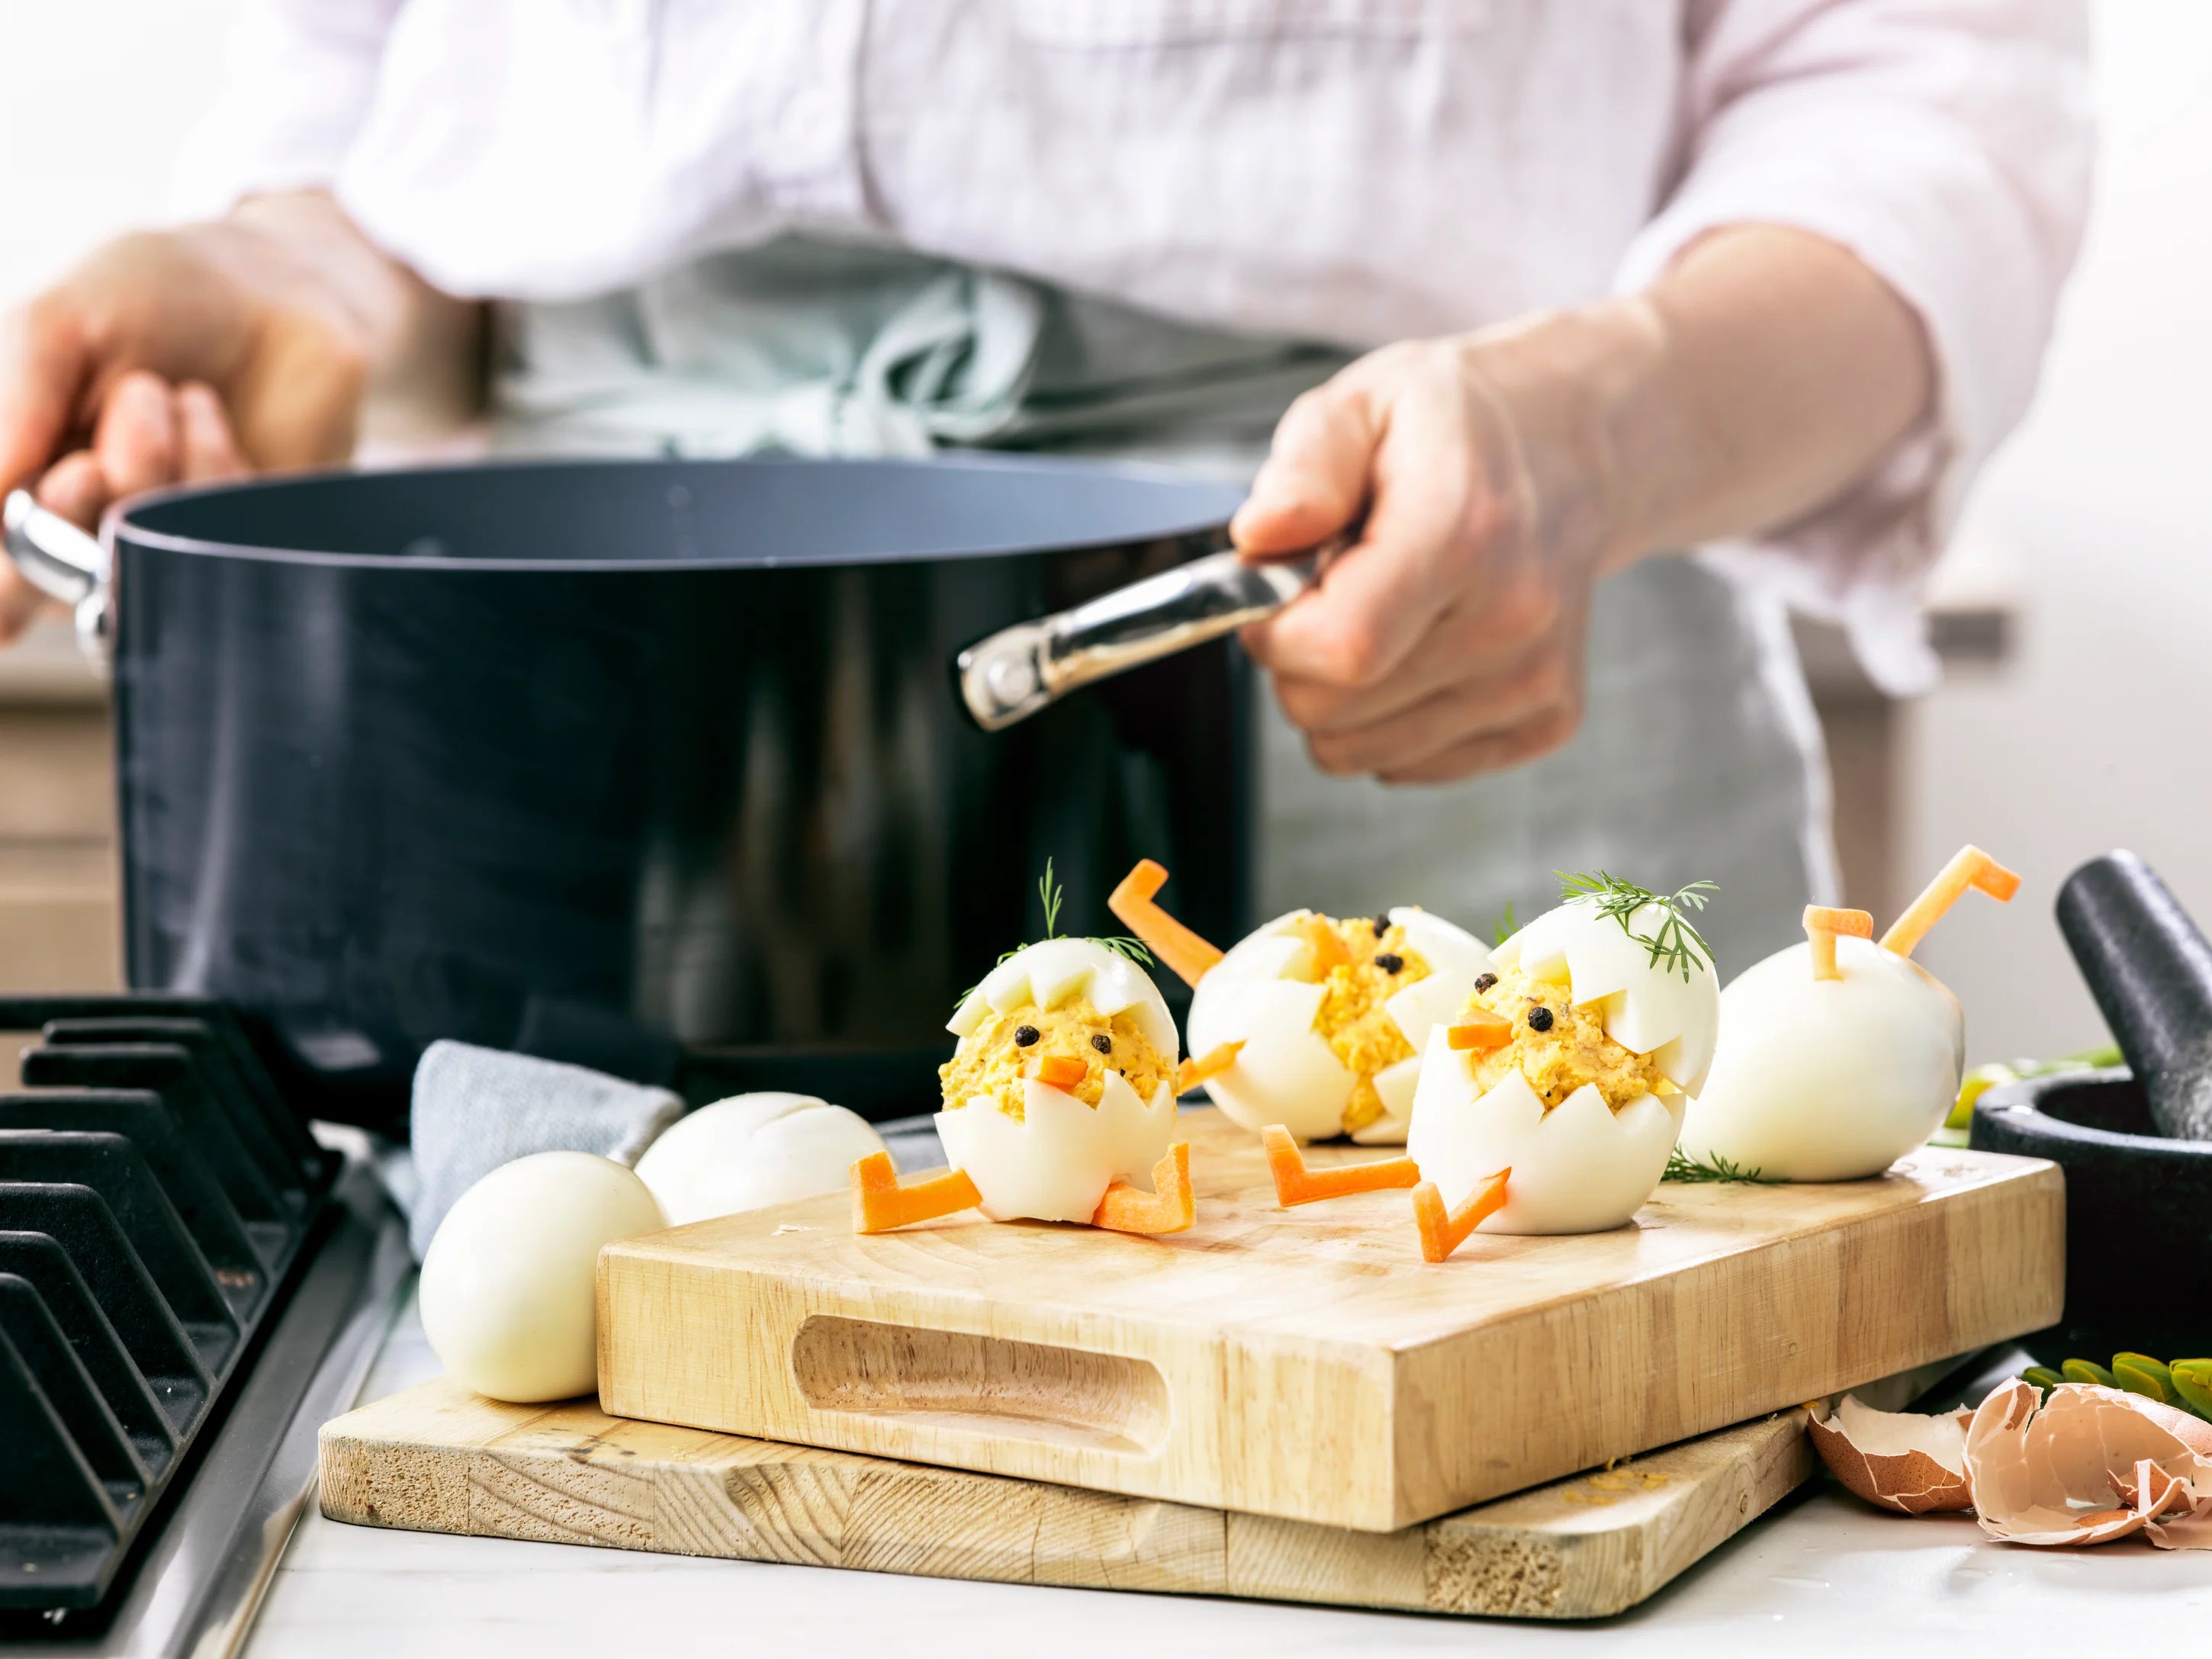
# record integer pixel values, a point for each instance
(1504, 927)
(1051, 896)
(1716, 1168)
(1678, 944)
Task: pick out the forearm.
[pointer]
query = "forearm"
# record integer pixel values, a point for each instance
(1764, 373)
(421, 347)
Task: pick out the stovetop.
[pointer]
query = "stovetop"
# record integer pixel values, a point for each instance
(190, 1284)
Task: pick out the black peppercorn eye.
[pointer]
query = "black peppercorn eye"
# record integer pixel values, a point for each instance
(1382, 924)
(1483, 982)
(1540, 1018)
(1024, 1036)
(1102, 1044)
(1390, 962)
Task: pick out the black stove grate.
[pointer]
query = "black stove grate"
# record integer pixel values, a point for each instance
(156, 1196)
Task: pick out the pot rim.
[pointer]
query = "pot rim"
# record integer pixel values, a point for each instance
(1210, 503)
(2016, 1103)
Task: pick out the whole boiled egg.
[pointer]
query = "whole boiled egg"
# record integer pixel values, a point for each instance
(507, 1292)
(1839, 1055)
(1312, 1022)
(1569, 1063)
(751, 1151)
(1063, 1081)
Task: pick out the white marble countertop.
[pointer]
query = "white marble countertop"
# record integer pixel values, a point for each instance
(1821, 1574)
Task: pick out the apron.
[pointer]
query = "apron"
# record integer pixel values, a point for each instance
(1700, 755)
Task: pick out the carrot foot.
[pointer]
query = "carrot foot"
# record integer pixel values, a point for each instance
(1970, 866)
(1166, 937)
(1216, 1060)
(1824, 926)
(880, 1203)
(1444, 1230)
(1296, 1184)
(1170, 1208)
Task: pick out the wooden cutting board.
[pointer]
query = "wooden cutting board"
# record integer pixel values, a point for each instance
(440, 1459)
(1306, 1364)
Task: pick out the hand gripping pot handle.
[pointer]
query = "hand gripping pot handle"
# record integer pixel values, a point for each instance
(63, 563)
(1018, 671)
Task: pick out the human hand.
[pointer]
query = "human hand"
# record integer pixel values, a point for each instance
(1449, 640)
(199, 354)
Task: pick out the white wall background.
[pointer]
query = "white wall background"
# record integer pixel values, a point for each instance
(2096, 735)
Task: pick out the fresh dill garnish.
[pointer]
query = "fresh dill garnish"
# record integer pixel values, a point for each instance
(1504, 927)
(1715, 1167)
(1678, 944)
(1051, 896)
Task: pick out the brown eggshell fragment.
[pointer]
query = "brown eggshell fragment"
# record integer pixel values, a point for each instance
(1908, 1462)
(2050, 1472)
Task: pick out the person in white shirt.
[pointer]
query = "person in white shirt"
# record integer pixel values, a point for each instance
(1549, 289)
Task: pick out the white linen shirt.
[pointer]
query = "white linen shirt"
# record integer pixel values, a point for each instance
(1349, 171)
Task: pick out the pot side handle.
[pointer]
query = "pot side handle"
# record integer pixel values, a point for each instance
(62, 562)
(1011, 674)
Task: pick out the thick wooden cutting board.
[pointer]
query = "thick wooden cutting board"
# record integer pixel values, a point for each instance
(1306, 1364)
(440, 1459)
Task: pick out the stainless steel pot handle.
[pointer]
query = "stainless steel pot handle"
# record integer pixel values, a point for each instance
(1014, 672)
(63, 563)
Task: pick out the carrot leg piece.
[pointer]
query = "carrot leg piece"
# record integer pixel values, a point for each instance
(1970, 866)
(1166, 937)
(1170, 1207)
(1296, 1184)
(1444, 1230)
(1824, 927)
(1216, 1060)
(880, 1203)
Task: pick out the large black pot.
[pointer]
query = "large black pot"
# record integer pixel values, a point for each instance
(611, 760)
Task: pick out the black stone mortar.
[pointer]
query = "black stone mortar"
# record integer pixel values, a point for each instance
(2138, 1213)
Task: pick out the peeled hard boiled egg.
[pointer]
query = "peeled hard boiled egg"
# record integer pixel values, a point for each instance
(1839, 1055)
(1043, 1150)
(751, 1151)
(1590, 1046)
(507, 1287)
(1829, 1079)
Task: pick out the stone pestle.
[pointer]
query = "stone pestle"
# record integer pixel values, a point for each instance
(2150, 969)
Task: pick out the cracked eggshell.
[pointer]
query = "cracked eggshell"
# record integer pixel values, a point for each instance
(1286, 1072)
(509, 1286)
(2086, 1465)
(1580, 1168)
(1647, 1008)
(1056, 1164)
(751, 1151)
(1909, 1462)
(1829, 1079)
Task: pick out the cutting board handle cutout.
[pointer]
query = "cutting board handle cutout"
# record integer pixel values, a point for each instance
(965, 1382)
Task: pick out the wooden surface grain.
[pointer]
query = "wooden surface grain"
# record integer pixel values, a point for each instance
(439, 1459)
(1306, 1364)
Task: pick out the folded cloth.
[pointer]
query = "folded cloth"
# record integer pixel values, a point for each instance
(476, 1109)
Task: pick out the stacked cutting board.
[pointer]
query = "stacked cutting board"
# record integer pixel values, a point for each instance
(1284, 1403)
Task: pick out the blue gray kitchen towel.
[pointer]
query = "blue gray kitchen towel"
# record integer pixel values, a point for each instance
(476, 1109)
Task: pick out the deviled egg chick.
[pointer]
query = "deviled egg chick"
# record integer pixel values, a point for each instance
(1569, 1063)
(1059, 1099)
(1312, 1022)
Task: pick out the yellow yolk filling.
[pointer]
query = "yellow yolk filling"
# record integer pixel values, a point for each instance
(989, 1061)
(1351, 1018)
(1575, 1051)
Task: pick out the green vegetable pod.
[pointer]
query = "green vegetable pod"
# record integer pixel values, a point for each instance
(2088, 1370)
